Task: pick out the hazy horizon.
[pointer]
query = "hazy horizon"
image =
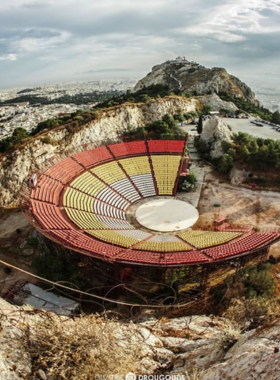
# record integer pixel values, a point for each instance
(50, 41)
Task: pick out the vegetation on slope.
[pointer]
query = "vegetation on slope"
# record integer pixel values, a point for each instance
(253, 153)
(249, 283)
(79, 99)
(77, 119)
(247, 107)
(72, 122)
(81, 349)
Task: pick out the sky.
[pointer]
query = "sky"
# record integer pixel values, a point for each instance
(50, 41)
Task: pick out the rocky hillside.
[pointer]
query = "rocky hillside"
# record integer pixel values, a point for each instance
(47, 346)
(109, 126)
(190, 77)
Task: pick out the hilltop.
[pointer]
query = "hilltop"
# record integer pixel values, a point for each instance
(191, 77)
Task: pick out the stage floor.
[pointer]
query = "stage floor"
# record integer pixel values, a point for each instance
(166, 215)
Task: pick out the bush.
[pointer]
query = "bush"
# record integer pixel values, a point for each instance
(79, 349)
(19, 135)
(258, 281)
(206, 109)
(46, 140)
(187, 183)
(260, 179)
(253, 312)
(191, 178)
(179, 117)
(53, 264)
(33, 243)
(225, 164)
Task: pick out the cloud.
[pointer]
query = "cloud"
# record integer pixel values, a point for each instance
(8, 57)
(55, 40)
(30, 40)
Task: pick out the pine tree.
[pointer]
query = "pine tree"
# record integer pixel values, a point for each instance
(199, 125)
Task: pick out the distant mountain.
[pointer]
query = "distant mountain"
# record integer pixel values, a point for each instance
(190, 77)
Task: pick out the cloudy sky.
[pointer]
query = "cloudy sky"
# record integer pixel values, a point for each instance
(46, 41)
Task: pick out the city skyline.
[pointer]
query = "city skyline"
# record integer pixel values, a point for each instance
(64, 41)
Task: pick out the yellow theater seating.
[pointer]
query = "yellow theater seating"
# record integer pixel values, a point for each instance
(204, 239)
(166, 170)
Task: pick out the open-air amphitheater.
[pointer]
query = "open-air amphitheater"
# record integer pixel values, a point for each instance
(83, 201)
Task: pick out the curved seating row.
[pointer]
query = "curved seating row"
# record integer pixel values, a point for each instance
(81, 241)
(128, 149)
(88, 213)
(75, 199)
(168, 246)
(166, 146)
(47, 190)
(203, 239)
(88, 158)
(113, 237)
(49, 216)
(247, 243)
(65, 170)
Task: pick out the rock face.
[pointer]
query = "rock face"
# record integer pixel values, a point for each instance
(186, 76)
(237, 176)
(255, 356)
(217, 103)
(213, 133)
(178, 346)
(15, 167)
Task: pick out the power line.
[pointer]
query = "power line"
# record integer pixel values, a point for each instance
(93, 295)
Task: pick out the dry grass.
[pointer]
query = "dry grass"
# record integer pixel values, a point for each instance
(78, 349)
(196, 374)
(252, 312)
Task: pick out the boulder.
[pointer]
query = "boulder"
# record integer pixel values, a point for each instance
(214, 132)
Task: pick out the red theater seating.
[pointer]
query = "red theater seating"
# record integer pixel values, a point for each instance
(145, 257)
(65, 170)
(166, 146)
(245, 244)
(91, 157)
(47, 190)
(173, 258)
(128, 149)
(82, 241)
(49, 216)
(185, 257)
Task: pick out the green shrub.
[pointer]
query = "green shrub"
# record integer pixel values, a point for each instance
(46, 140)
(187, 183)
(260, 179)
(225, 163)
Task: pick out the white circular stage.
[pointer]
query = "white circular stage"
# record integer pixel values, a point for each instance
(166, 215)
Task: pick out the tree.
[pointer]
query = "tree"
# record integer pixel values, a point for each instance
(168, 119)
(232, 153)
(206, 109)
(275, 117)
(191, 178)
(19, 134)
(200, 125)
(225, 164)
(179, 117)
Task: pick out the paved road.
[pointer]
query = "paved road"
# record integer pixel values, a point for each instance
(244, 125)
